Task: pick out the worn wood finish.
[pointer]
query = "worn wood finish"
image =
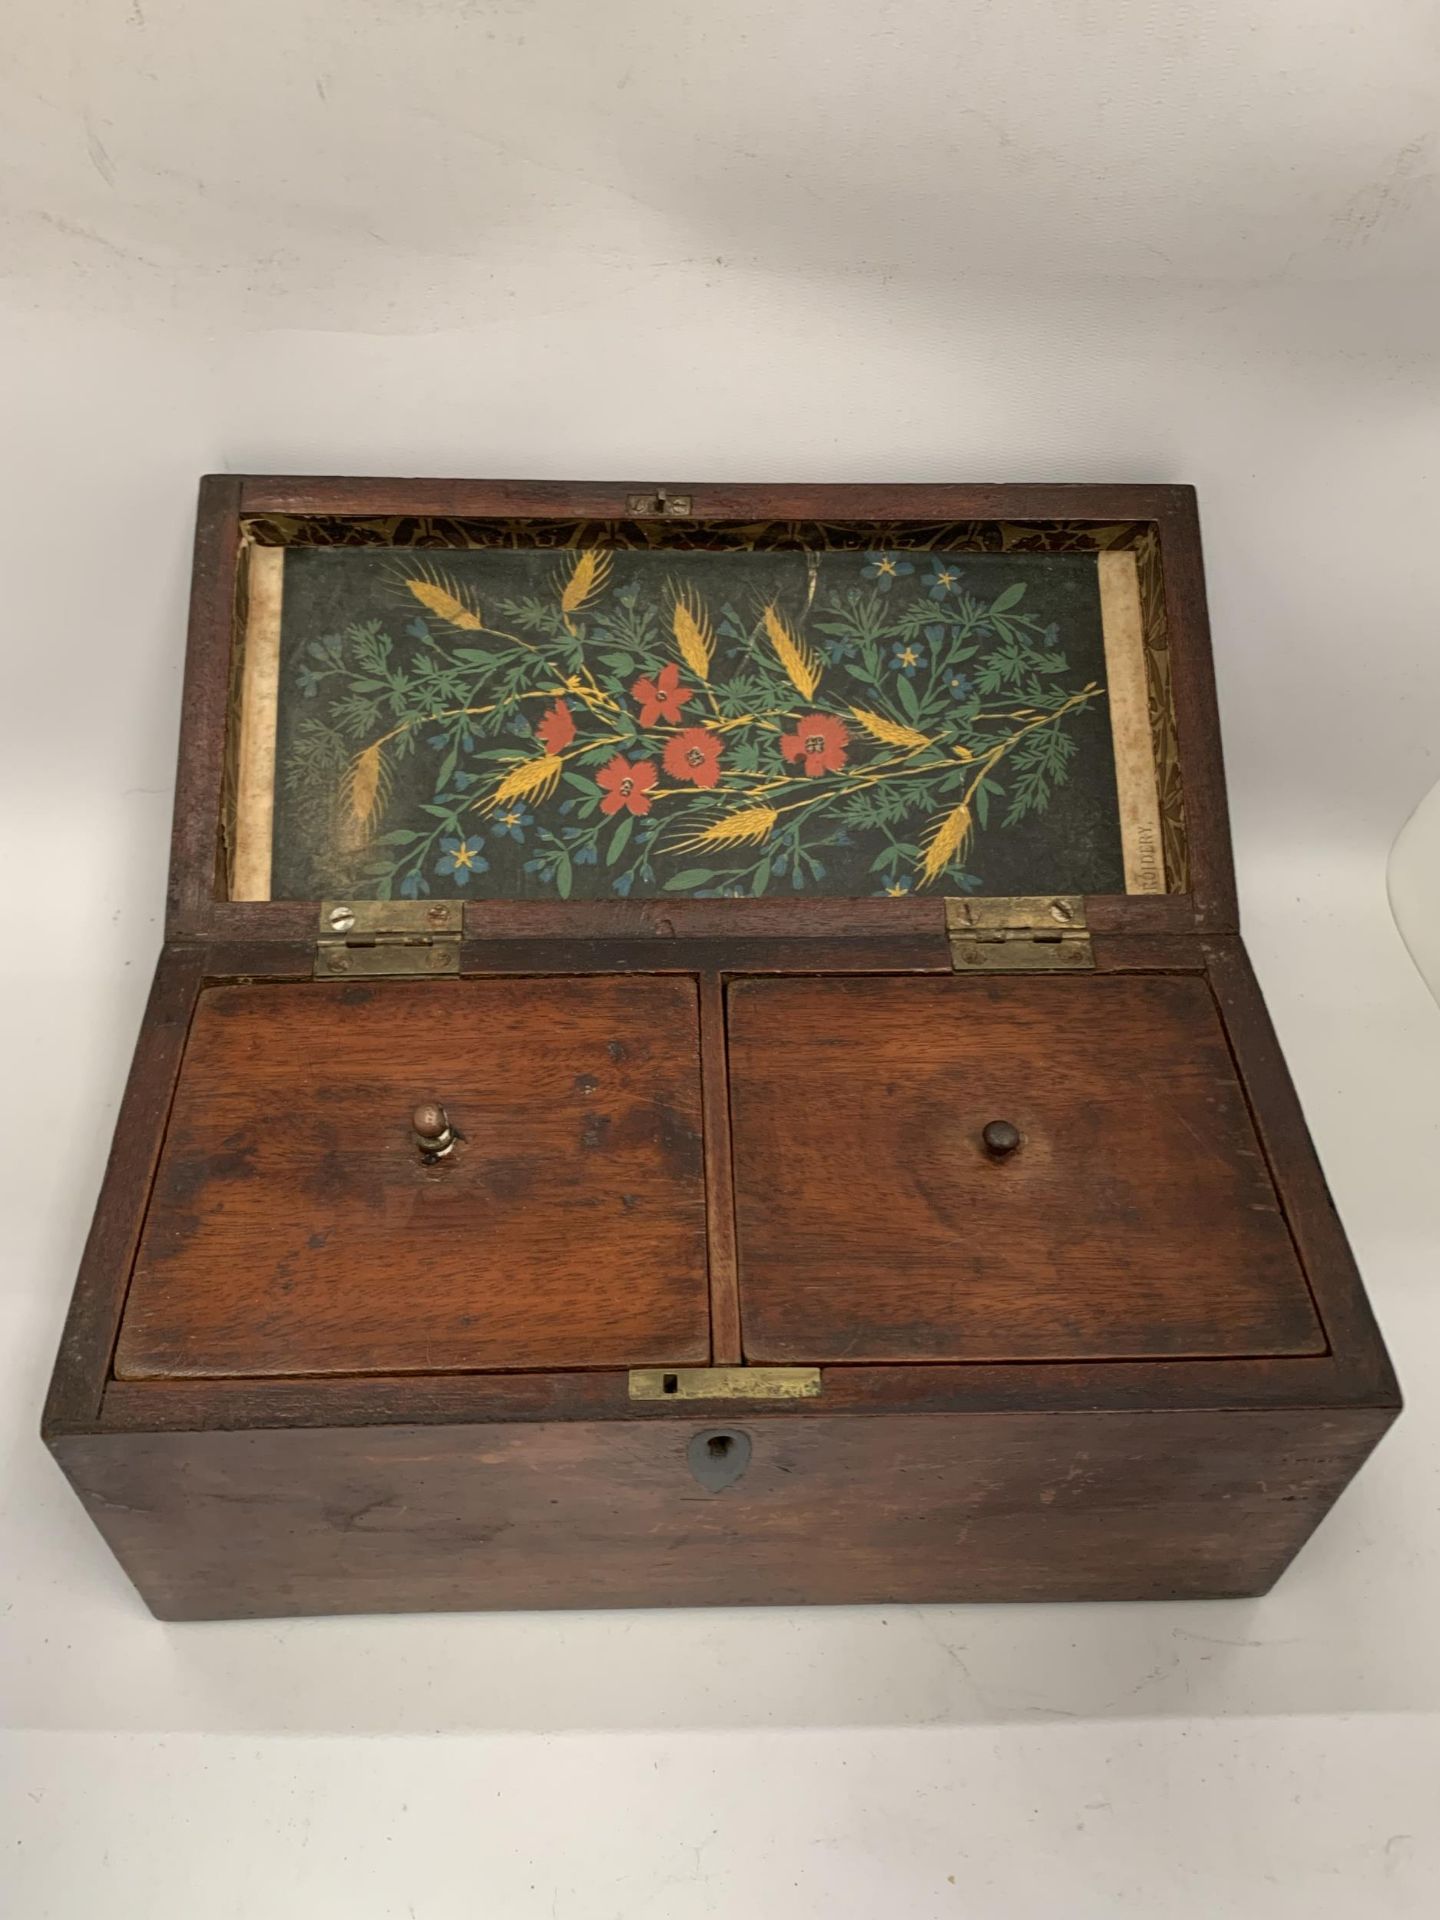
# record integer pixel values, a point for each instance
(195, 852)
(1137, 1216)
(82, 1365)
(296, 1227)
(913, 954)
(1009, 1506)
(833, 921)
(467, 1437)
(1197, 719)
(710, 499)
(690, 931)
(725, 1347)
(661, 921)
(1280, 1120)
(1304, 1382)
(910, 953)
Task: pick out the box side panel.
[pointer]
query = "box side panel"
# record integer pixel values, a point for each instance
(985, 1507)
(82, 1365)
(1319, 1235)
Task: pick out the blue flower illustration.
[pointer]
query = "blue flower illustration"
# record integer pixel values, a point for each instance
(896, 889)
(959, 683)
(907, 659)
(511, 824)
(943, 578)
(885, 569)
(460, 858)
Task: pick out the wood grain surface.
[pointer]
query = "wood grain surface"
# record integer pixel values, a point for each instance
(725, 1348)
(82, 1365)
(1136, 1218)
(1004, 1506)
(1132, 1360)
(296, 1229)
(197, 855)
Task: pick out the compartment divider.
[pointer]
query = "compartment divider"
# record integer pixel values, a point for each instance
(725, 1338)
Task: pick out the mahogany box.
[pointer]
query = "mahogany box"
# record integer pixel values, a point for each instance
(703, 1053)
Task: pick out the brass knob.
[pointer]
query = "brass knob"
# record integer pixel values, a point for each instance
(434, 1134)
(1001, 1138)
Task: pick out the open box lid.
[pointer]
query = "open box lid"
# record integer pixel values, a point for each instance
(572, 702)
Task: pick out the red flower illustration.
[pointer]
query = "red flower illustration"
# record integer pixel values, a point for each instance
(819, 740)
(694, 755)
(556, 728)
(661, 698)
(626, 785)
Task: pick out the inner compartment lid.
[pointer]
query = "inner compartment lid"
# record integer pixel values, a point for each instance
(1040, 1168)
(298, 1225)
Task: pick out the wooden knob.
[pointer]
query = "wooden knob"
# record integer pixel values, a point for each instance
(1001, 1138)
(430, 1120)
(434, 1134)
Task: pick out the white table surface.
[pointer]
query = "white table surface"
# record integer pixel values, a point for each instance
(940, 241)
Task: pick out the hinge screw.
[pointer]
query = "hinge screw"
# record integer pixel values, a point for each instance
(342, 919)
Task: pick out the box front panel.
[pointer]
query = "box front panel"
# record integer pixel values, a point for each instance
(1004, 1506)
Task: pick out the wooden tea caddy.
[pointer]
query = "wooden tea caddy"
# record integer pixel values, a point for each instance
(474, 1252)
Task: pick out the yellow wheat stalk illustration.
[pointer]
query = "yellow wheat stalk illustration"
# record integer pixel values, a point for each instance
(587, 577)
(746, 828)
(947, 841)
(694, 635)
(795, 655)
(446, 604)
(363, 790)
(531, 780)
(890, 731)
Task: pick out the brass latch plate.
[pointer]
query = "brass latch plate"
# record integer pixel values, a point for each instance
(659, 505)
(386, 939)
(724, 1383)
(1029, 933)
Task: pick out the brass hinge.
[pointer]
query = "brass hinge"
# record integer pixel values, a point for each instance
(1040, 933)
(658, 505)
(724, 1383)
(370, 939)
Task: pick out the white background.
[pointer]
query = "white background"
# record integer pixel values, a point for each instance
(949, 239)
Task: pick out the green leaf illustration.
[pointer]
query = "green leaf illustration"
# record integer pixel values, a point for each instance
(400, 724)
